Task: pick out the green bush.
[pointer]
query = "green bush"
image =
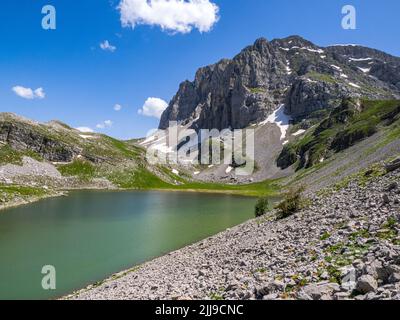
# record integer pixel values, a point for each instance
(292, 202)
(262, 206)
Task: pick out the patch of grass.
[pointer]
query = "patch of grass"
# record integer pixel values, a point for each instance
(259, 189)
(354, 133)
(288, 156)
(336, 248)
(216, 296)
(125, 273)
(172, 176)
(391, 133)
(261, 270)
(343, 254)
(389, 230)
(22, 190)
(345, 126)
(334, 274)
(369, 174)
(139, 178)
(105, 147)
(10, 192)
(257, 90)
(321, 77)
(8, 155)
(360, 234)
(11, 156)
(381, 109)
(82, 169)
(325, 236)
(128, 150)
(300, 283)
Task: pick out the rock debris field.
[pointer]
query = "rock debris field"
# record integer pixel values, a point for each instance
(345, 245)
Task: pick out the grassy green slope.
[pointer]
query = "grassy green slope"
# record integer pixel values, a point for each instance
(10, 156)
(344, 127)
(142, 178)
(121, 162)
(124, 164)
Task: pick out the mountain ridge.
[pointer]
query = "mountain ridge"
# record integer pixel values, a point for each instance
(238, 92)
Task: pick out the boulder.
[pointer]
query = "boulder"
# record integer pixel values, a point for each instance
(321, 291)
(270, 288)
(366, 284)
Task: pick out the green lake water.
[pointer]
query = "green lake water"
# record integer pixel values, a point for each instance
(88, 235)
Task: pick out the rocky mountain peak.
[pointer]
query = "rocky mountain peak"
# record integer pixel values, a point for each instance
(245, 90)
(293, 41)
(260, 44)
(13, 118)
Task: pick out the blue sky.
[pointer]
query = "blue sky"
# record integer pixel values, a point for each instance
(82, 82)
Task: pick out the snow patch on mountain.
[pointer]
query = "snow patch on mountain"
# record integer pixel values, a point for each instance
(279, 118)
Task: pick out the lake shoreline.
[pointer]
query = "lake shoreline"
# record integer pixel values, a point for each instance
(177, 252)
(307, 256)
(64, 192)
(24, 202)
(109, 231)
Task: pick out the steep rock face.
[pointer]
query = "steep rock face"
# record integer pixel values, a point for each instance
(306, 96)
(376, 63)
(231, 93)
(245, 90)
(57, 142)
(22, 138)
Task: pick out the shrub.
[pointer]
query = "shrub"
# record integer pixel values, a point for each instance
(262, 206)
(292, 202)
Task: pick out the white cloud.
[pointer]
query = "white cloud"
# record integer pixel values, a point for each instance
(85, 129)
(39, 93)
(171, 15)
(105, 124)
(117, 107)
(28, 93)
(106, 46)
(153, 107)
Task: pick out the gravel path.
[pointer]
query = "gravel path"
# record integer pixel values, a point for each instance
(343, 246)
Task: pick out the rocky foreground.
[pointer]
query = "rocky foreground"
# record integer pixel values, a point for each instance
(345, 245)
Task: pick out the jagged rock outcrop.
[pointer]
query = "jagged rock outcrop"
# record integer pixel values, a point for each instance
(245, 90)
(378, 64)
(19, 134)
(53, 141)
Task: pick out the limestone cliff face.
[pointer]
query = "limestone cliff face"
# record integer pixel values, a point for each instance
(379, 65)
(245, 90)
